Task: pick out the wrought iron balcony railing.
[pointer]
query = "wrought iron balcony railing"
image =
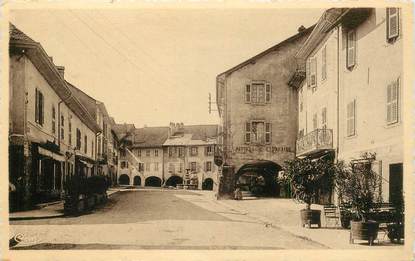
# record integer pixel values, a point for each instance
(315, 141)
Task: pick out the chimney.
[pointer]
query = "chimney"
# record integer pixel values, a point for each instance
(301, 28)
(61, 70)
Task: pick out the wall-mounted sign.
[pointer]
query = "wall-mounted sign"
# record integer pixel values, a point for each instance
(260, 149)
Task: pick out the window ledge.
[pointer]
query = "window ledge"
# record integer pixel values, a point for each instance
(351, 137)
(392, 125)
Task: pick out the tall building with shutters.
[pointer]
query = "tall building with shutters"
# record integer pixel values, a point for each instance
(258, 117)
(350, 91)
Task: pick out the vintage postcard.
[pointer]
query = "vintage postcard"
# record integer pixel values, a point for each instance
(207, 130)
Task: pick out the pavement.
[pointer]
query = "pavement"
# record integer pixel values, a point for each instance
(177, 219)
(48, 210)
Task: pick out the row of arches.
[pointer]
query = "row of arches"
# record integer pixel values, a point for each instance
(153, 181)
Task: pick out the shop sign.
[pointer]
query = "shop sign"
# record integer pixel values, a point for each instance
(260, 149)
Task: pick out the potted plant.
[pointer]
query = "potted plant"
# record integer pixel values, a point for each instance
(396, 229)
(307, 179)
(358, 185)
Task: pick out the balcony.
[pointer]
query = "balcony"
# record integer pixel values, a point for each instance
(314, 142)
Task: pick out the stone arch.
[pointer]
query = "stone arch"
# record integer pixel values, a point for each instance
(259, 178)
(174, 180)
(207, 184)
(137, 181)
(153, 181)
(124, 179)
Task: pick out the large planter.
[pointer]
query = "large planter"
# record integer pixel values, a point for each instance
(364, 231)
(310, 217)
(396, 232)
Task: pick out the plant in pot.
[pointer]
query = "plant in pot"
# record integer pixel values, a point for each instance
(359, 185)
(396, 229)
(307, 179)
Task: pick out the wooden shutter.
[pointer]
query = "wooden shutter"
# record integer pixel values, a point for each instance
(248, 93)
(323, 63)
(307, 72)
(268, 93)
(351, 48)
(392, 22)
(247, 132)
(313, 72)
(392, 102)
(37, 106)
(268, 132)
(351, 117)
(324, 117)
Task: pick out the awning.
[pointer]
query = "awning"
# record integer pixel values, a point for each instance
(89, 165)
(50, 154)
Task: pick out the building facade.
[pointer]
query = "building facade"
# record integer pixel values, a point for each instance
(189, 156)
(258, 118)
(350, 101)
(51, 135)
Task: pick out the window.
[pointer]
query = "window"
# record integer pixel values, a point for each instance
(171, 167)
(156, 166)
(258, 93)
(313, 72)
(248, 132)
(324, 118)
(392, 23)
(193, 151)
(351, 118)
(139, 153)
(181, 167)
(156, 153)
(53, 120)
(140, 167)
(62, 127)
(85, 144)
(148, 166)
(147, 153)
(315, 121)
(267, 133)
(392, 102)
(248, 93)
(193, 167)
(209, 150)
(208, 166)
(92, 148)
(39, 107)
(78, 139)
(123, 164)
(323, 63)
(181, 152)
(351, 48)
(70, 130)
(172, 151)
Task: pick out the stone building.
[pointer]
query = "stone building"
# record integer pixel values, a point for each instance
(258, 118)
(189, 156)
(350, 101)
(51, 134)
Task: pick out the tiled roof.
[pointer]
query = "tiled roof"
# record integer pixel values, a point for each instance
(123, 129)
(86, 100)
(187, 140)
(201, 132)
(150, 136)
(16, 34)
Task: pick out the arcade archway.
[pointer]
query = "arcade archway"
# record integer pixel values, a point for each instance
(259, 178)
(174, 180)
(153, 182)
(124, 180)
(207, 184)
(137, 181)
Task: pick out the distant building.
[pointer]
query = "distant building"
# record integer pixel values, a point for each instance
(167, 156)
(351, 101)
(258, 118)
(51, 134)
(189, 156)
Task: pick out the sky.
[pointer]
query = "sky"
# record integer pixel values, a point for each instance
(155, 66)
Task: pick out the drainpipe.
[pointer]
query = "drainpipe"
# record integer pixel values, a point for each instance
(338, 92)
(96, 147)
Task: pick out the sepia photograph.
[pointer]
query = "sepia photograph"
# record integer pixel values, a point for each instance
(244, 129)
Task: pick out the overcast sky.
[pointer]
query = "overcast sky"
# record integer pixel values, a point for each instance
(151, 67)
